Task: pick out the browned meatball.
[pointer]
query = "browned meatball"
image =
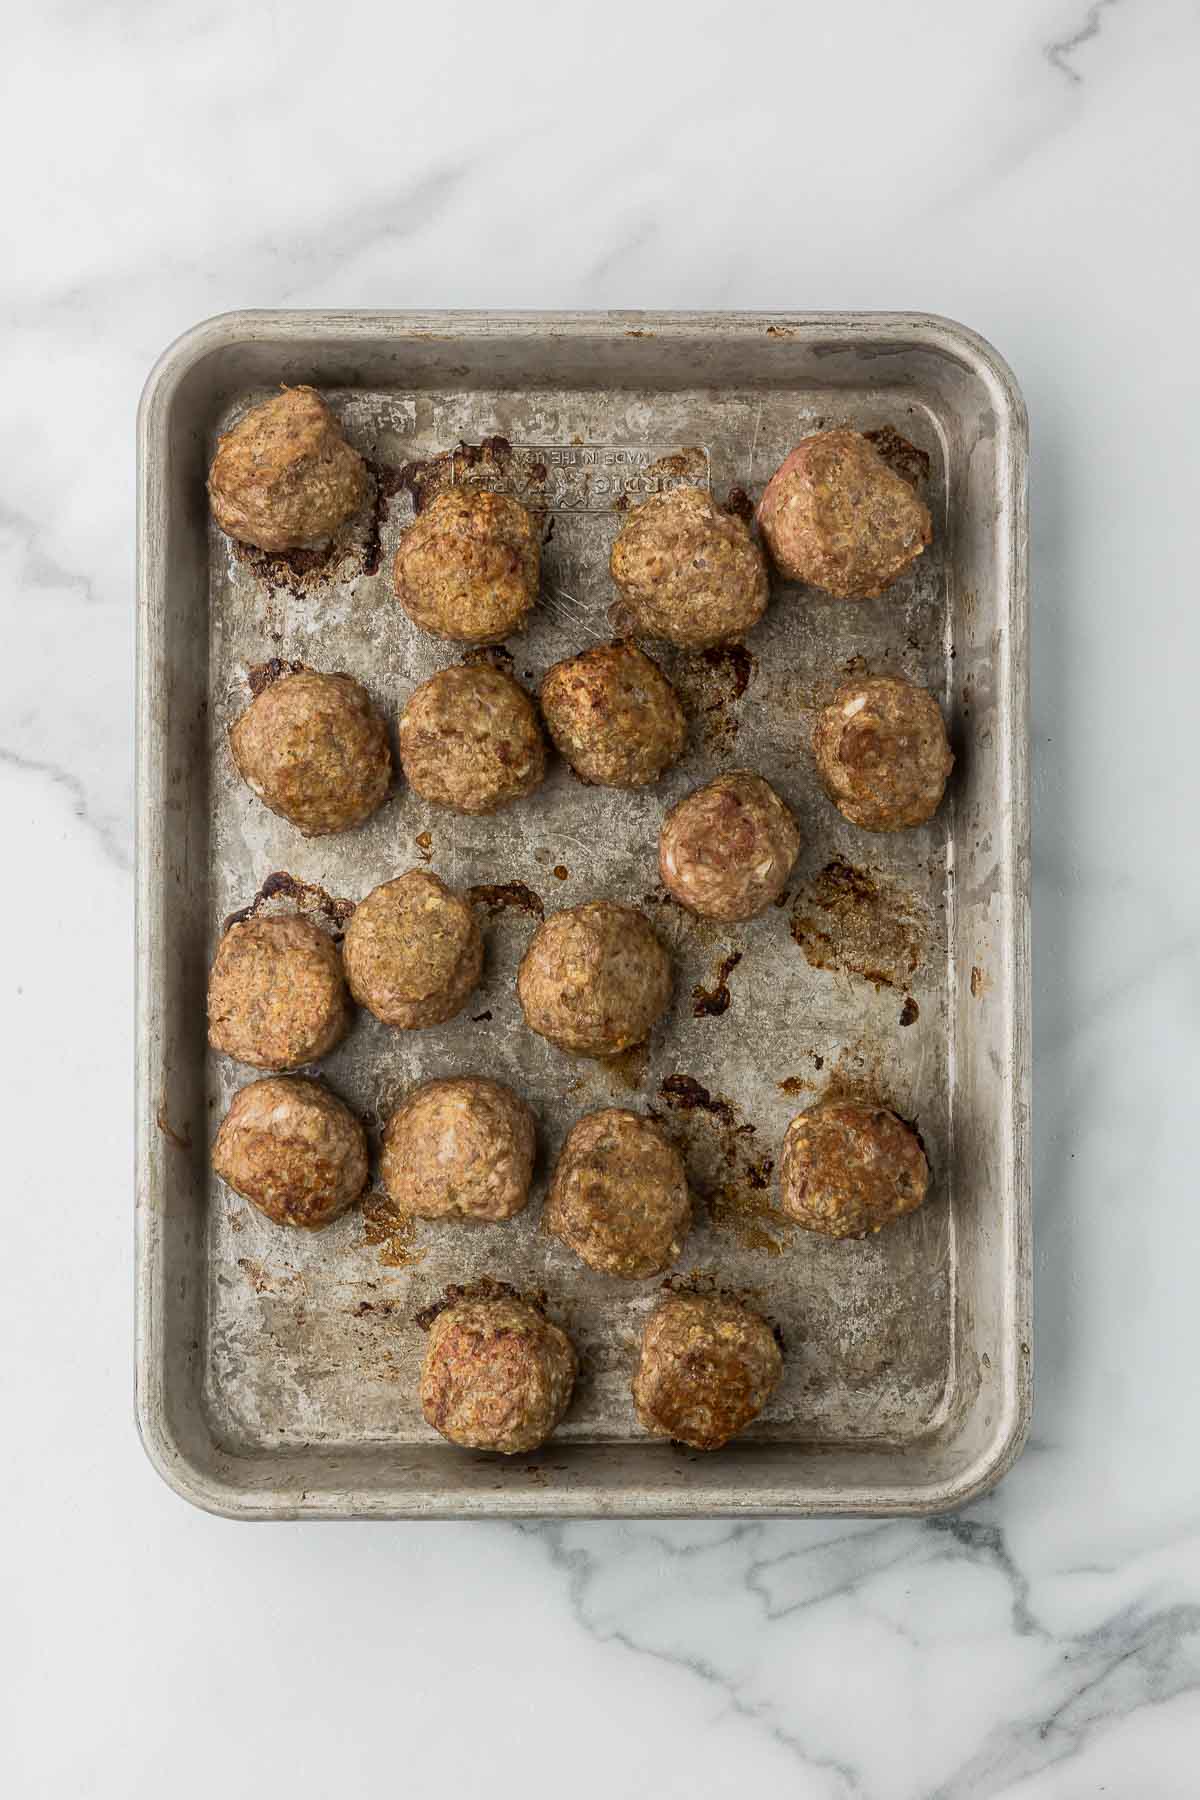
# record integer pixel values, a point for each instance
(276, 994)
(689, 572)
(285, 477)
(594, 979)
(460, 1148)
(727, 849)
(614, 716)
(707, 1368)
(413, 951)
(470, 740)
(835, 516)
(292, 1149)
(313, 748)
(847, 1169)
(882, 753)
(497, 1375)
(468, 567)
(619, 1196)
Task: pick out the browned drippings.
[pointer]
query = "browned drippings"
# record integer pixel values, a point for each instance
(688, 466)
(725, 1168)
(709, 684)
(482, 465)
(628, 1067)
(264, 675)
(855, 922)
(710, 1003)
(686, 1094)
(904, 459)
(910, 1012)
(486, 1287)
(745, 1208)
(424, 843)
(306, 896)
(388, 483)
(295, 570)
(560, 872)
(740, 504)
(392, 1231)
(498, 897)
(493, 656)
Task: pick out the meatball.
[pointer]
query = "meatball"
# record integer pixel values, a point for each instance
(413, 951)
(726, 849)
(497, 1375)
(882, 753)
(470, 740)
(707, 1368)
(847, 1169)
(285, 478)
(313, 748)
(619, 1196)
(835, 516)
(614, 716)
(276, 993)
(595, 979)
(689, 572)
(460, 1148)
(468, 567)
(292, 1149)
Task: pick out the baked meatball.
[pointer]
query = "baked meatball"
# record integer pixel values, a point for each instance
(847, 1169)
(835, 516)
(882, 753)
(497, 1375)
(726, 850)
(614, 716)
(595, 978)
(413, 951)
(470, 740)
(313, 748)
(460, 1148)
(276, 993)
(285, 478)
(706, 1369)
(292, 1149)
(619, 1195)
(689, 572)
(468, 567)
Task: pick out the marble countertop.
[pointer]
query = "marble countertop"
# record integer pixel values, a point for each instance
(1033, 170)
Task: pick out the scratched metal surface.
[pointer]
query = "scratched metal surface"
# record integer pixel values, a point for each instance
(307, 1343)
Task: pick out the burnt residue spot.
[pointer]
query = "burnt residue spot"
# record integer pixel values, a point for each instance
(638, 334)
(979, 983)
(549, 531)
(793, 1084)
(910, 1012)
(735, 663)
(290, 569)
(781, 331)
(818, 1061)
(391, 1231)
(424, 843)
(855, 665)
(388, 483)
(904, 459)
(498, 897)
(264, 675)
(687, 1094)
(482, 465)
(560, 872)
(740, 504)
(710, 1003)
(485, 1288)
(182, 1140)
(854, 922)
(495, 656)
(305, 895)
(483, 1018)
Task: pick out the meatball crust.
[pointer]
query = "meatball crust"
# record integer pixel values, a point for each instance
(467, 568)
(413, 951)
(595, 978)
(619, 1196)
(460, 1148)
(276, 993)
(614, 716)
(284, 478)
(727, 849)
(497, 1375)
(836, 516)
(882, 753)
(706, 1369)
(314, 750)
(293, 1149)
(848, 1169)
(690, 572)
(470, 740)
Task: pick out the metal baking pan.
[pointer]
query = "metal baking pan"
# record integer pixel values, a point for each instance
(276, 1370)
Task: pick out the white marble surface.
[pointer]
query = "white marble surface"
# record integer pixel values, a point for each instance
(1031, 169)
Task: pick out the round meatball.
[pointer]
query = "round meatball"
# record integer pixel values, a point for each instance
(276, 993)
(292, 1149)
(835, 516)
(460, 1148)
(882, 753)
(285, 478)
(727, 849)
(413, 951)
(468, 567)
(619, 1196)
(595, 979)
(470, 740)
(689, 572)
(707, 1368)
(847, 1169)
(614, 716)
(313, 748)
(497, 1375)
